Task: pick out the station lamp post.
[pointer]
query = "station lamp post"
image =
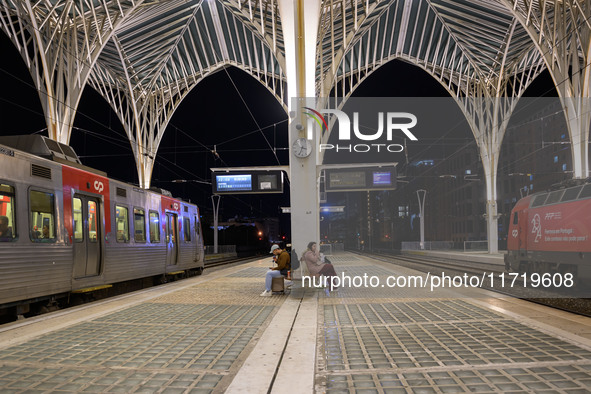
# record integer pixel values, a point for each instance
(422, 215)
(216, 206)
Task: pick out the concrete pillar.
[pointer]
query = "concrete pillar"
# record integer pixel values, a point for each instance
(300, 20)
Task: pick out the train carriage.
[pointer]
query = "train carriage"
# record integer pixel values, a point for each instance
(68, 228)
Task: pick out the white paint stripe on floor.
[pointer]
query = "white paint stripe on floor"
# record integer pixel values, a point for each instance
(257, 372)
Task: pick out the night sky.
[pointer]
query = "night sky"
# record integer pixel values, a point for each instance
(214, 113)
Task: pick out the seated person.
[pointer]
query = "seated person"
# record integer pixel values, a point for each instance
(316, 266)
(283, 265)
(5, 231)
(45, 233)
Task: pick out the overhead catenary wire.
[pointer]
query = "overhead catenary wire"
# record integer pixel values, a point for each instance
(273, 149)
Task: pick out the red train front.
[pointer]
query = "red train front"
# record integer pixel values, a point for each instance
(550, 232)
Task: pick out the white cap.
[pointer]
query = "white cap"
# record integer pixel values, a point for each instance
(275, 246)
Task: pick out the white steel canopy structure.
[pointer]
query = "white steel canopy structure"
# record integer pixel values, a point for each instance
(145, 56)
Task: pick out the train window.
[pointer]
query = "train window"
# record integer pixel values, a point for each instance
(154, 227)
(187, 229)
(539, 200)
(197, 228)
(122, 223)
(586, 192)
(92, 221)
(42, 215)
(554, 197)
(515, 218)
(7, 211)
(571, 194)
(78, 220)
(139, 225)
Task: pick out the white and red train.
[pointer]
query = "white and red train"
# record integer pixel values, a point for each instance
(551, 232)
(67, 228)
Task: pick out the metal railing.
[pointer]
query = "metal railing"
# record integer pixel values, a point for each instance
(429, 245)
(332, 248)
(475, 245)
(222, 249)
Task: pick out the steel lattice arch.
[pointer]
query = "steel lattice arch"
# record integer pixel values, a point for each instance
(145, 56)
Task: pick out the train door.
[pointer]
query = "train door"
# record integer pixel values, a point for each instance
(520, 221)
(87, 215)
(172, 238)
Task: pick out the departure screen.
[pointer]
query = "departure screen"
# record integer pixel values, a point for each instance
(352, 179)
(267, 182)
(382, 178)
(239, 183)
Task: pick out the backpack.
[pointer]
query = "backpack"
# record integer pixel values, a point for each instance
(295, 261)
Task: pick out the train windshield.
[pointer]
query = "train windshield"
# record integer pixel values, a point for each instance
(586, 192)
(571, 194)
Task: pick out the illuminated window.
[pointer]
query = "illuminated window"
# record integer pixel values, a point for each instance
(78, 220)
(555, 159)
(122, 223)
(139, 225)
(42, 216)
(92, 221)
(7, 212)
(187, 229)
(154, 227)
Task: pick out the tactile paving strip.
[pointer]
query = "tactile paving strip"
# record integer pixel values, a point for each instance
(173, 314)
(251, 272)
(557, 379)
(15, 379)
(403, 312)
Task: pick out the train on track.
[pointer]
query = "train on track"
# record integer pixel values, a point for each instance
(551, 232)
(67, 229)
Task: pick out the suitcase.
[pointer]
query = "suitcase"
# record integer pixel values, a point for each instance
(278, 284)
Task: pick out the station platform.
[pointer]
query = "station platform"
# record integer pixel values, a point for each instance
(214, 334)
(473, 256)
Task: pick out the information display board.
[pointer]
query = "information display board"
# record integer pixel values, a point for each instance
(360, 179)
(247, 182)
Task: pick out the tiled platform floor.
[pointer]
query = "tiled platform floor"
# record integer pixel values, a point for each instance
(198, 336)
(188, 341)
(433, 345)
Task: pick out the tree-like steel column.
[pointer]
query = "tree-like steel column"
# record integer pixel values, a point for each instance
(561, 30)
(60, 44)
(488, 105)
(145, 96)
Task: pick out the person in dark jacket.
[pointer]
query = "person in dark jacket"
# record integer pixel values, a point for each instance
(283, 261)
(5, 231)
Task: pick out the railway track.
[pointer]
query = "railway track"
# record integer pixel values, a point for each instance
(435, 265)
(237, 260)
